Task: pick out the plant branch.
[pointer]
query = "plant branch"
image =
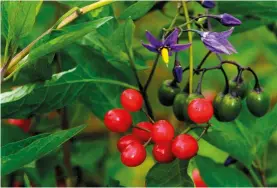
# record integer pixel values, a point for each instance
(134, 126)
(151, 73)
(190, 48)
(65, 22)
(204, 131)
(255, 177)
(147, 142)
(150, 119)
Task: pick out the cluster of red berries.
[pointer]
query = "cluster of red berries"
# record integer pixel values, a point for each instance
(24, 124)
(161, 133)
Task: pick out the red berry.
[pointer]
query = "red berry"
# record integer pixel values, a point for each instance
(24, 124)
(133, 155)
(162, 131)
(131, 100)
(198, 181)
(200, 110)
(142, 134)
(162, 152)
(124, 141)
(118, 120)
(184, 146)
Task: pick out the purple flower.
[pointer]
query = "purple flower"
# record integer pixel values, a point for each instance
(166, 46)
(207, 3)
(229, 20)
(177, 72)
(217, 41)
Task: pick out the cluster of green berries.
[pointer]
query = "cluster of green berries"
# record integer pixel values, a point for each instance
(226, 107)
(161, 133)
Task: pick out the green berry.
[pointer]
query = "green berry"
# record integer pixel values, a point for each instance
(240, 88)
(258, 102)
(167, 92)
(229, 107)
(178, 105)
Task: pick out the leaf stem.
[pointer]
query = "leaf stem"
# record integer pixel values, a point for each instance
(66, 21)
(190, 48)
(255, 177)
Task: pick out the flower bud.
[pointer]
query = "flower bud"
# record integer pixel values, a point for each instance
(229, 20)
(207, 3)
(178, 72)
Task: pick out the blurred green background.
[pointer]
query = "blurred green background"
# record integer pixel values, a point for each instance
(95, 156)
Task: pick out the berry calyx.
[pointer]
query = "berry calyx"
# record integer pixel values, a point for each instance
(131, 100)
(238, 86)
(118, 120)
(167, 92)
(184, 147)
(162, 131)
(126, 140)
(258, 102)
(162, 152)
(24, 124)
(133, 155)
(142, 134)
(200, 110)
(197, 179)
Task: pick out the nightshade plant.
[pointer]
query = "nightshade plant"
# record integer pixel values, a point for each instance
(91, 65)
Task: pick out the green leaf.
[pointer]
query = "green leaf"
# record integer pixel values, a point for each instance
(169, 175)
(216, 175)
(114, 183)
(61, 90)
(137, 10)
(58, 39)
(18, 154)
(259, 9)
(11, 133)
(87, 154)
(245, 138)
(18, 18)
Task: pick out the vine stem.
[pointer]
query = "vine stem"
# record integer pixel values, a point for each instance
(190, 48)
(255, 177)
(204, 131)
(65, 22)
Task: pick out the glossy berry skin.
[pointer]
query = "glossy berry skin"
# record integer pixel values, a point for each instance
(190, 98)
(124, 141)
(200, 110)
(118, 120)
(229, 108)
(133, 155)
(197, 179)
(162, 152)
(142, 134)
(162, 131)
(258, 102)
(240, 88)
(184, 147)
(167, 92)
(178, 105)
(216, 104)
(131, 100)
(24, 124)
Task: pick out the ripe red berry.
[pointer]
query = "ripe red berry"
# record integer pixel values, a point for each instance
(162, 131)
(131, 100)
(162, 152)
(142, 134)
(124, 141)
(133, 155)
(200, 110)
(118, 120)
(198, 181)
(184, 146)
(24, 124)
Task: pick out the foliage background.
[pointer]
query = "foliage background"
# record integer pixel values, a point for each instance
(94, 156)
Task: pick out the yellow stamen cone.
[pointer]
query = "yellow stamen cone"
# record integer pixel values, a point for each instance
(164, 53)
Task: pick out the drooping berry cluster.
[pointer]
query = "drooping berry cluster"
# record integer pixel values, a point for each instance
(161, 133)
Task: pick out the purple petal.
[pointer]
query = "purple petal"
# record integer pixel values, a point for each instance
(153, 41)
(172, 38)
(207, 3)
(226, 34)
(150, 47)
(219, 46)
(229, 20)
(178, 73)
(179, 47)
